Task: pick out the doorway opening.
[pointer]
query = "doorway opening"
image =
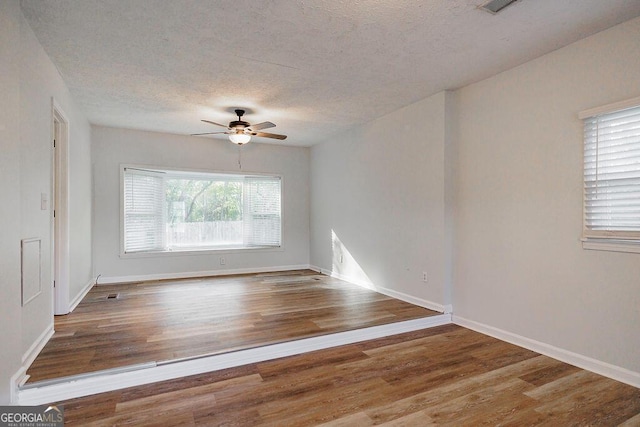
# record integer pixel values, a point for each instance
(60, 210)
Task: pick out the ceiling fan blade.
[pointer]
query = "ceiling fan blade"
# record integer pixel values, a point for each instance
(269, 135)
(263, 125)
(214, 123)
(206, 133)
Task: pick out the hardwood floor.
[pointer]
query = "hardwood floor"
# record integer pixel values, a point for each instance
(166, 320)
(445, 375)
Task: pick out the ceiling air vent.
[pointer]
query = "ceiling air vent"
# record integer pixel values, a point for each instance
(495, 6)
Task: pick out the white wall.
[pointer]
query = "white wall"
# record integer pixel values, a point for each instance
(80, 205)
(10, 312)
(113, 147)
(378, 200)
(40, 81)
(519, 264)
(483, 189)
(27, 84)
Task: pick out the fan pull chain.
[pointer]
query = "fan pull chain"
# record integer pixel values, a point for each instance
(240, 157)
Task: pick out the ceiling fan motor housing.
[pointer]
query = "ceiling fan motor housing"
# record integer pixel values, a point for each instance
(238, 124)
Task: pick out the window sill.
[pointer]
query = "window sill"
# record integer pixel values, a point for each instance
(201, 252)
(629, 246)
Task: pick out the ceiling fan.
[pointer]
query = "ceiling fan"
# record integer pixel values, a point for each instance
(240, 132)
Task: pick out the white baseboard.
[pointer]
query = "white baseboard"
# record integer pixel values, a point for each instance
(74, 303)
(85, 385)
(30, 355)
(27, 359)
(447, 309)
(110, 280)
(602, 368)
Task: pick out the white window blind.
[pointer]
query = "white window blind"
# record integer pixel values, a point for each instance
(172, 211)
(144, 207)
(262, 216)
(612, 175)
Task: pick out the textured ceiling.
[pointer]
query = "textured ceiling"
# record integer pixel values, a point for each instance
(313, 67)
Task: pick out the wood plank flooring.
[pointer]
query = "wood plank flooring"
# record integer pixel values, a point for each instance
(446, 375)
(166, 320)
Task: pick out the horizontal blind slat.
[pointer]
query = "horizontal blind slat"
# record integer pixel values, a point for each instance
(629, 149)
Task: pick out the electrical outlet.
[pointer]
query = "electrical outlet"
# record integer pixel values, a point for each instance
(341, 259)
(424, 276)
(222, 261)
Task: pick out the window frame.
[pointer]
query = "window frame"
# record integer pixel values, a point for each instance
(196, 251)
(604, 240)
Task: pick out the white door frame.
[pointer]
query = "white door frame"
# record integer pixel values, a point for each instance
(60, 205)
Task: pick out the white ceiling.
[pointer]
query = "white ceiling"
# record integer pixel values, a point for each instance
(313, 67)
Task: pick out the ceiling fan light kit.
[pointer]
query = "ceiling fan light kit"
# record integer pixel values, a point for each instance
(239, 138)
(240, 132)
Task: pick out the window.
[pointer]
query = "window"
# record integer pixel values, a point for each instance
(612, 176)
(167, 210)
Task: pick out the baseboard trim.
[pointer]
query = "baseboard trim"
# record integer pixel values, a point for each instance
(602, 368)
(30, 355)
(102, 382)
(111, 280)
(83, 293)
(27, 359)
(446, 309)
